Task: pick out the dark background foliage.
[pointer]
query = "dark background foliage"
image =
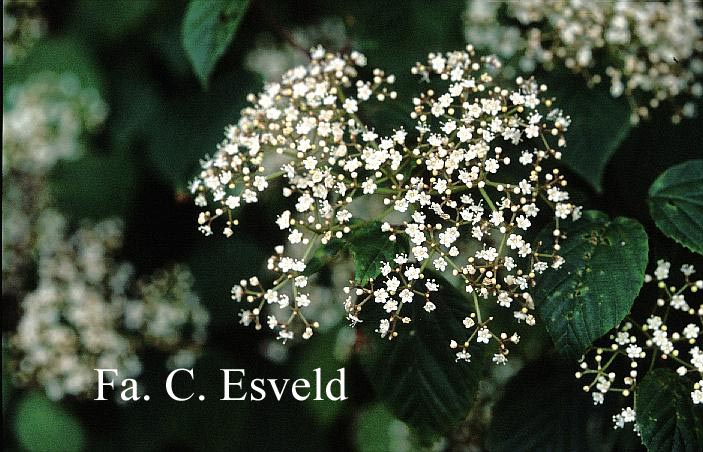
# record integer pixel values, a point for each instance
(162, 120)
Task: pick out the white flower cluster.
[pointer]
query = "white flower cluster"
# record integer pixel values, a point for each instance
(81, 316)
(450, 188)
(67, 327)
(22, 26)
(669, 336)
(649, 51)
(168, 315)
(470, 205)
(271, 59)
(82, 309)
(47, 119)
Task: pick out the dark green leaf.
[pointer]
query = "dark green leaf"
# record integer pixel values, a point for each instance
(416, 374)
(666, 416)
(130, 119)
(208, 29)
(369, 247)
(676, 204)
(599, 123)
(544, 409)
(595, 288)
(43, 425)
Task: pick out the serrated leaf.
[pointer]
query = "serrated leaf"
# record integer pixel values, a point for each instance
(208, 28)
(369, 247)
(416, 374)
(544, 409)
(666, 416)
(43, 425)
(676, 204)
(593, 136)
(595, 288)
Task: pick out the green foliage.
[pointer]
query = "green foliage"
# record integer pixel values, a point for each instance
(676, 204)
(544, 409)
(377, 430)
(666, 416)
(6, 376)
(208, 29)
(320, 353)
(112, 20)
(369, 247)
(439, 26)
(111, 177)
(596, 287)
(416, 374)
(599, 124)
(173, 148)
(373, 429)
(61, 55)
(141, 56)
(324, 255)
(217, 264)
(44, 426)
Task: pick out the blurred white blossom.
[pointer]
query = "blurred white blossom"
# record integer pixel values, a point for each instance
(81, 309)
(649, 51)
(47, 118)
(22, 25)
(86, 311)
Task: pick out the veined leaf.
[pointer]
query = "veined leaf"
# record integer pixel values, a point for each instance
(416, 374)
(594, 290)
(666, 416)
(676, 204)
